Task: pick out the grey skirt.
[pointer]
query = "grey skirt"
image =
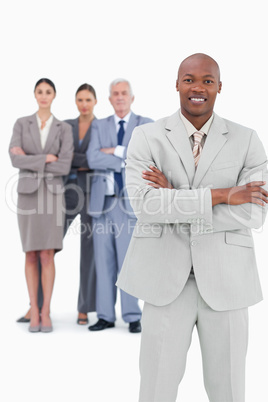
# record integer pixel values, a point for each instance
(41, 219)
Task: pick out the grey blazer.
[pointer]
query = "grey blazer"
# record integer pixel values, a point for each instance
(179, 228)
(33, 166)
(104, 135)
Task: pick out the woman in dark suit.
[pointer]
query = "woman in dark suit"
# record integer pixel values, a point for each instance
(42, 148)
(77, 190)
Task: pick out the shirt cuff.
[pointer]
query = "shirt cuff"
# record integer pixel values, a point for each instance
(119, 151)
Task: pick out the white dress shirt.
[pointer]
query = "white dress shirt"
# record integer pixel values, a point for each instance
(191, 129)
(119, 152)
(45, 130)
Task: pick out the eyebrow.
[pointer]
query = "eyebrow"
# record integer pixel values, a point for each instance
(204, 76)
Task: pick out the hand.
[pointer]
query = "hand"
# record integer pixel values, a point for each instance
(108, 151)
(17, 151)
(251, 192)
(157, 178)
(51, 158)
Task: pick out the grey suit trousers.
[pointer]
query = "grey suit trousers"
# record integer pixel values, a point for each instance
(166, 338)
(111, 234)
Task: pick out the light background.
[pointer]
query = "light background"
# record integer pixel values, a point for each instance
(72, 42)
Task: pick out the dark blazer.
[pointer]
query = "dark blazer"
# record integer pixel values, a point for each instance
(79, 156)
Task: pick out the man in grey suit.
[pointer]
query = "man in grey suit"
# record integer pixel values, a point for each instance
(113, 218)
(191, 257)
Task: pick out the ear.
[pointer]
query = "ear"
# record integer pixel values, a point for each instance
(177, 85)
(132, 99)
(220, 87)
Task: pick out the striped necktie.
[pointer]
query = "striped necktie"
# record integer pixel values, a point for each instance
(197, 149)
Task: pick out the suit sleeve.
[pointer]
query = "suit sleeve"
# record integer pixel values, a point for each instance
(35, 163)
(161, 205)
(187, 206)
(79, 160)
(233, 217)
(62, 166)
(98, 159)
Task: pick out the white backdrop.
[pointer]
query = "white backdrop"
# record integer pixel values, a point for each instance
(72, 42)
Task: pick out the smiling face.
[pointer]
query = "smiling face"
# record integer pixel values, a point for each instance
(44, 95)
(198, 84)
(121, 99)
(85, 102)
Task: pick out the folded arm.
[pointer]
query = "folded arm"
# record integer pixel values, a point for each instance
(98, 157)
(154, 203)
(239, 207)
(34, 163)
(61, 165)
(80, 161)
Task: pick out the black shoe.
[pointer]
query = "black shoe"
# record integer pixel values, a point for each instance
(100, 325)
(134, 327)
(23, 319)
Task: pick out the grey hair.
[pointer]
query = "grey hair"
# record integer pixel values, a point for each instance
(117, 81)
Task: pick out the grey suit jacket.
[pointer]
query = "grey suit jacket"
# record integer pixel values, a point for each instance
(79, 156)
(104, 135)
(33, 166)
(179, 228)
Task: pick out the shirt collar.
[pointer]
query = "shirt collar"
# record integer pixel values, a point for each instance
(126, 118)
(191, 129)
(48, 122)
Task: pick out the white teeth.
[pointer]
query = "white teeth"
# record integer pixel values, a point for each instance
(198, 99)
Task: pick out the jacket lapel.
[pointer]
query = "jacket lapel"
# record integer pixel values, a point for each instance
(215, 141)
(84, 145)
(35, 133)
(178, 137)
(75, 134)
(111, 132)
(133, 122)
(54, 129)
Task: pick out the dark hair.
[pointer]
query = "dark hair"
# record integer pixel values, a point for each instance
(47, 81)
(88, 88)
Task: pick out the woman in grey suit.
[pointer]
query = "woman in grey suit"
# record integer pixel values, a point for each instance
(77, 190)
(42, 148)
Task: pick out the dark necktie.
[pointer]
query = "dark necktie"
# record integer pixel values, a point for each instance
(118, 176)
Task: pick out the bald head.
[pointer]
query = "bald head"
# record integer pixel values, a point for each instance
(198, 83)
(198, 58)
